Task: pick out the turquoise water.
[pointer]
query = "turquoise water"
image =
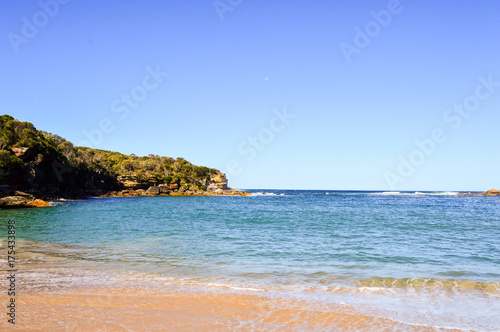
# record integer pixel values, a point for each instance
(345, 234)
(303, 243)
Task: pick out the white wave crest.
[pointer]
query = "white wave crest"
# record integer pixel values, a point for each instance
(417, 193)
(266, 194)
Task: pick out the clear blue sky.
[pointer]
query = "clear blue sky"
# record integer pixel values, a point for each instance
(353, 120)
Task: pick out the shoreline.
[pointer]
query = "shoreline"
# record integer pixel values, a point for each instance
(79, 297)
(117, 309)
(18, 199)
(21, 199)
(183, 307)
(149, 192)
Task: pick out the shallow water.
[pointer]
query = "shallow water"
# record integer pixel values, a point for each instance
(425, 260)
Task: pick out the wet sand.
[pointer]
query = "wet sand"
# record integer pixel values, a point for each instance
(57, 293)
(57, 290)
(141, 310)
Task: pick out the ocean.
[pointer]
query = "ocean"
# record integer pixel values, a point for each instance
(386, 260)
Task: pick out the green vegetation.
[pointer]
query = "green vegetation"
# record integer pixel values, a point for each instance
(49, 162)
(151, 169)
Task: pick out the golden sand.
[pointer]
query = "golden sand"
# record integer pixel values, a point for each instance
(138, 310)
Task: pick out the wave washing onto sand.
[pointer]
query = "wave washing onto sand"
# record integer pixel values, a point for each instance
(432, 284)
(380, 304)
(408, 304)
(121, 309)
(72, 265)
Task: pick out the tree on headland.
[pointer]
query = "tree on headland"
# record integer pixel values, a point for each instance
(34, 159)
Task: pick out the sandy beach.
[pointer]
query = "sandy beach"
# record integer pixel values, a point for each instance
(142, 310)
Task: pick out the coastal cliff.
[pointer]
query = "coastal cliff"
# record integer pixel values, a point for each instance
(36, 165)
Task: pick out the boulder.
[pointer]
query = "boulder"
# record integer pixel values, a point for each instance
(38, 203)
(164, 189)
(153, 190)
(173, 186)
(492, 192)
(23, 194)
(10, 202)
(13, 202)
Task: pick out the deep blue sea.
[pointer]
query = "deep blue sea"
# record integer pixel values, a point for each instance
(426, 257)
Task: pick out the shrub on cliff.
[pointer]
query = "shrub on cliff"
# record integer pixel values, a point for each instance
(9, 160)
(55, 164)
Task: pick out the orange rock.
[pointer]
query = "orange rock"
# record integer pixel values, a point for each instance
(39, 203)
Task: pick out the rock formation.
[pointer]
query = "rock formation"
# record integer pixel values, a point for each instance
(491, 192)
(20, 199)
(47, 166)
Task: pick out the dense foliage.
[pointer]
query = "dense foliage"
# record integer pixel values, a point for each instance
(49, 161)
(151, 169)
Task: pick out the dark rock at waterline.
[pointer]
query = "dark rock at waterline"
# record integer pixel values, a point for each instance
(14, 202)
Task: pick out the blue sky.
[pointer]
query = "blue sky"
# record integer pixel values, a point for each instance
(207, 83)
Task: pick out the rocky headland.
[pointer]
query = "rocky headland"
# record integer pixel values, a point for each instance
(134, 187)
(491, 192)
(37, 166)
